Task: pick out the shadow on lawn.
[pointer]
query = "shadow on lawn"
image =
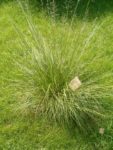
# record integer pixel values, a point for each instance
(93, 8)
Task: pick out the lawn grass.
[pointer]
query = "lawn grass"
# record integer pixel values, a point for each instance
(25, 130)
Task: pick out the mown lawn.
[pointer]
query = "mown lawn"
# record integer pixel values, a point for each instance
(22, 129)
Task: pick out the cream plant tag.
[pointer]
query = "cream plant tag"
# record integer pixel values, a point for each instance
(75, 83)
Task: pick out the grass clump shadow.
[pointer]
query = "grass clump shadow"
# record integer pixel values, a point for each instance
(49, 60)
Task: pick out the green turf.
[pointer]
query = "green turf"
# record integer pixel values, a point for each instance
(24, 130)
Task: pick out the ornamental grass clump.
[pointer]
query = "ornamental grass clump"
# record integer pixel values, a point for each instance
(62, 74)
